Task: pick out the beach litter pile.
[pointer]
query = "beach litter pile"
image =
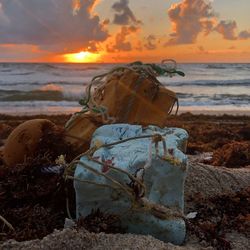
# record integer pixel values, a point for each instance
(126, 94)
(131, 95)
(115, 168)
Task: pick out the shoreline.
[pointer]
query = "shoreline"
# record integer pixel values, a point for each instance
(217, 112)
(184, 110)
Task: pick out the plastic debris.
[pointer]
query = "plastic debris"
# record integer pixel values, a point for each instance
(58, 169)
(24, 139)
(137, 173)
(191, 215)
(126, 94)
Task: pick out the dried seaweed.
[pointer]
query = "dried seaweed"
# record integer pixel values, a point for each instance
(31, 200)
(234, 154)
(98, 221)
(220, 215)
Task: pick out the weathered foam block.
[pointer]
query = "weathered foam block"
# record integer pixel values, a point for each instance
(164, 180)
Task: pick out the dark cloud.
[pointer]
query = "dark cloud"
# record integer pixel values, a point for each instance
(227, 29)
(121, 43)
(244, 35)
(50, 24)
(189, 18)
(124, 15)
(150, 42)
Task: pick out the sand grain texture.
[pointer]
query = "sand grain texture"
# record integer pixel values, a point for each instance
(73, 239)
(210, 181)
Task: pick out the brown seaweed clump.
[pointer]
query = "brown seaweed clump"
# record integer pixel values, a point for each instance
(232, 155)
(33, 203)
(98, 221)
(32, 200)
(215, 219)
(5, 130)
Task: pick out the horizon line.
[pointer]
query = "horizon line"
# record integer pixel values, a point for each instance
(178, 62)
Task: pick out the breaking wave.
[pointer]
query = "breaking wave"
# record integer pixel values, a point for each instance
(206, 83)
(44, 94)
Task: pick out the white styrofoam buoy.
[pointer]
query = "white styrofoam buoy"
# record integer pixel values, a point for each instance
(151, 155)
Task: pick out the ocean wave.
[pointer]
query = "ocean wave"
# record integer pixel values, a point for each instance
(39, 104)
(209, 83)
(25, 86)
(229, 66)
(22, 74)
(5, 70)
(43, 67)
(53, 92)
(85, 68)
(42, 83)
(215, 97)
(232, 97)
(184, 95)
(22, 66)
(214, 100)
(39, 107)
(38, 95)
(86, 80)
(215, 66)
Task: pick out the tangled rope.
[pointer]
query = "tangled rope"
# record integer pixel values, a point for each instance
(136, 189)
(168, 67)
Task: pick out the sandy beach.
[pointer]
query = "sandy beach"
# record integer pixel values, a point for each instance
(222, 141)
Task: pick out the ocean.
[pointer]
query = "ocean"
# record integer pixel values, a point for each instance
(42, 88)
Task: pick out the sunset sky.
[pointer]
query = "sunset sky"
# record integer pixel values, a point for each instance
(124, 30)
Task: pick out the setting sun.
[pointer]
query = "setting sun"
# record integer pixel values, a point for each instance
(81, 57)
